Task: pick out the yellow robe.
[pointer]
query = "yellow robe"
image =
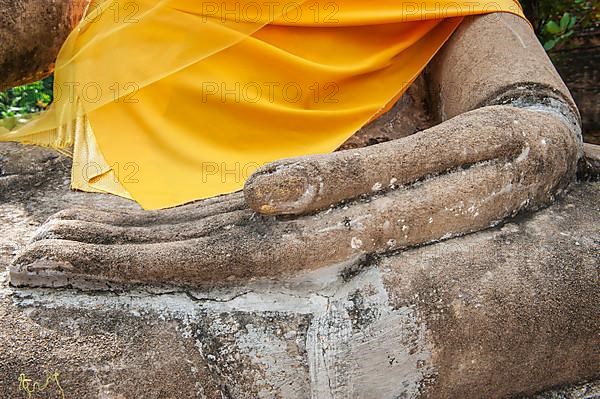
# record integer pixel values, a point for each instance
(170, 101)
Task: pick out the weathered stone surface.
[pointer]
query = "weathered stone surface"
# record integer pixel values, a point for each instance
(31, 35)
(589, 165)
(511, 310)
(590, 390)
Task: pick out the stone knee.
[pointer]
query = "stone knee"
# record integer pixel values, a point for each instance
(550, 148)
(475, 70)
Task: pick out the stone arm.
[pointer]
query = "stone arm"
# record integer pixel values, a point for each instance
(509, 140)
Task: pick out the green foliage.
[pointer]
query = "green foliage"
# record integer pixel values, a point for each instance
(23, 100)
(555, 32)
(555, 21)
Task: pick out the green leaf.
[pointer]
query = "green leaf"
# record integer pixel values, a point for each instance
(572, 22)
(549, 45)
(552, 27)
(564, 22)
(9, 122)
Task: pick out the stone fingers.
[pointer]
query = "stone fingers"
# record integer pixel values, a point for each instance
(185, 213)
(103, 233)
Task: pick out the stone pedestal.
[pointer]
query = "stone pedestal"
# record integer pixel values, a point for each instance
(508, 311)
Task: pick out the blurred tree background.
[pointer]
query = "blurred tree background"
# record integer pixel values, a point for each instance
(18, 102)
(569, 30)
(556, 21)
